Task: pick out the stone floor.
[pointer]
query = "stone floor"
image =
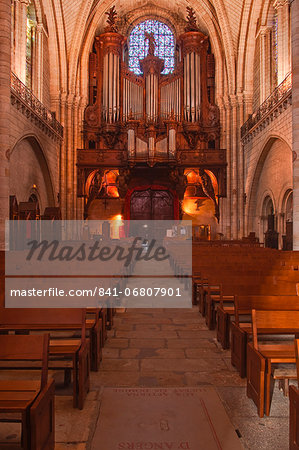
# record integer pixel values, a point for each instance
(168, 348)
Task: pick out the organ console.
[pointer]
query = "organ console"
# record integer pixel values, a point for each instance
(161, 118)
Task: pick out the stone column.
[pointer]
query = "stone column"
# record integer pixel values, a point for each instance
(5, 55)
(234, 167)
(283, 34)
(69, 156)
(265, 62)
(83, 102)
(241, 188)
(247, 108)
(228, 203)
(295, 112)
(222, 202)
(20, 39)
(38, 62)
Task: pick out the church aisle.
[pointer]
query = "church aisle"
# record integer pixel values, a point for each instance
(173, 348)
(167, 348)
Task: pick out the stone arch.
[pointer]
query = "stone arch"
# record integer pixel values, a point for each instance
(286, 200)
(286, 211)
(267, 206)
(251, 13)
(57, 52)
(132, 18)
(283, 151)
(30, 168)
(95, 21)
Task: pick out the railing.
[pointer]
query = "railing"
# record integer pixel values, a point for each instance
(25, 95)
(278, 95)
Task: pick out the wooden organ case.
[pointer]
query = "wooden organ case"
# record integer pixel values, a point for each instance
(151, 124)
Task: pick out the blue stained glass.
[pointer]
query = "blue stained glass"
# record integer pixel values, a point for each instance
(138, 45)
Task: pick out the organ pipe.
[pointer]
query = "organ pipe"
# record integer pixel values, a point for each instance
(155, 95)
(170, 100)
(192, 87)
(132, 100)
(111, 82)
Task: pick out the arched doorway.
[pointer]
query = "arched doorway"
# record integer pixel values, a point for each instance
(287, 215)
(267, 210)
(30, 182)
(268, 222)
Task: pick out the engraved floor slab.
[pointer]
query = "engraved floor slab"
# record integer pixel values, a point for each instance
(163, 418)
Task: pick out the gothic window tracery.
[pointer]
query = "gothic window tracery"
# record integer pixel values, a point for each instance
(275, 47)
(30, 38)
(139, 45)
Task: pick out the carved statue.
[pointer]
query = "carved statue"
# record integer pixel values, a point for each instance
(95, 186)
(208, 189)
(123, 182)
(94, 190)
(191, 20)
(111, 21)
(151, 43)
(213, 115)
(180, 180)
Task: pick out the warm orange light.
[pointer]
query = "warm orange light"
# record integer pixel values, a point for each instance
(117, 217)
(112, 191)
(111, 176)
(116, 229)
(191, 176)
(214, 180)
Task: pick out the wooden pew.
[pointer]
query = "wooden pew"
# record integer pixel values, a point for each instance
(2, 277)
(261, 355)
(294, 406)
(72, 353)
(244, 286)
(33, 400)
(241, 330)
(226, 310)
(227, 276)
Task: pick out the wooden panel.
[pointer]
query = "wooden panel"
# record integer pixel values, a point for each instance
(97, 158)
(152, 205)
(294, 418)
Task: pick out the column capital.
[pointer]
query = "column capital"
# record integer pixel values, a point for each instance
(24, 2)
(233, 99)
(264, 30)
(280, 3)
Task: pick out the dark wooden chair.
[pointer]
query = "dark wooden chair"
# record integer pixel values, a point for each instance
(294, 406)
(70, 354)
(33, 400)
(241, 328)
(262, 355)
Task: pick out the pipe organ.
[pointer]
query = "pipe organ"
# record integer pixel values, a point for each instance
(151, 117)
(132, 100)
(192, 87)
(152, 98)
(171, 99)
(111, 96)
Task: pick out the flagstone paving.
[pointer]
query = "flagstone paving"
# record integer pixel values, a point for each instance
(167, 348)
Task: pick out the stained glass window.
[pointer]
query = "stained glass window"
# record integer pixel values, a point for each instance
(164, 45)
(31, 22)
(275, 47)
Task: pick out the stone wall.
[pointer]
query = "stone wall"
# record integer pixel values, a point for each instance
(295, 62)
(268, 169)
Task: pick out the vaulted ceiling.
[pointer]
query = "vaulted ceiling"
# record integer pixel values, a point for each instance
(230, 24)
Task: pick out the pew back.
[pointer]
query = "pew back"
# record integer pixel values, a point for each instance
(274, 322)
